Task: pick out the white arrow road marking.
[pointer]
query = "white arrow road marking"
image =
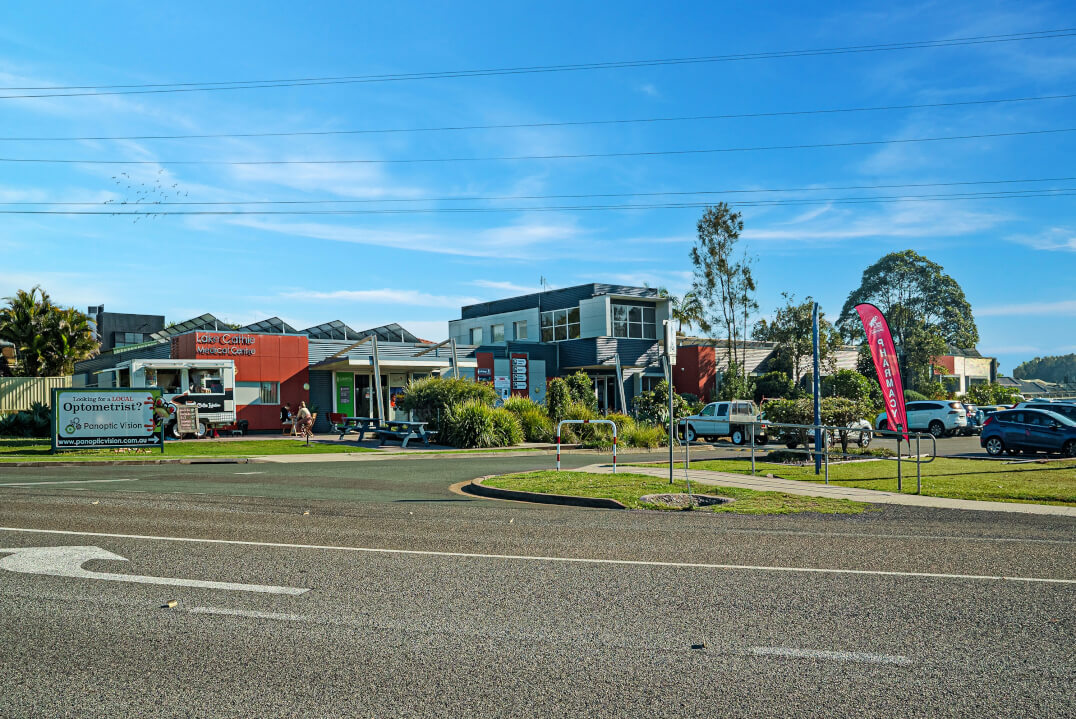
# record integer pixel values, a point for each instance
(68, 561)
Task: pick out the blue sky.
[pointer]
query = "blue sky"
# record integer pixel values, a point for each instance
(1015, 258)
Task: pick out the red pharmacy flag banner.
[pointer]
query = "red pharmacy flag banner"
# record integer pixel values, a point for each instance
(884, 353)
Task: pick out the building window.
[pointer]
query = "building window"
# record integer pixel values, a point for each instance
(476, 335)
(560, 325)
(125, 339)
(269, 393)
(496, 333)
(650, 383)
(519, 330)
(634, 322)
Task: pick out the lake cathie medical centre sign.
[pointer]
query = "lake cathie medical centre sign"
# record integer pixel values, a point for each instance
(105, 418)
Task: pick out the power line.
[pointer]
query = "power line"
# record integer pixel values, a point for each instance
(574, 156)
(76, 90)
(531, 125)
(884, 199)
(501, 198)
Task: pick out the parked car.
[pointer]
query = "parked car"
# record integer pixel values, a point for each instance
(859, 432)
(732, 419)
(1030, 431)
(975, 419)
(1067, 409)
(939, 417)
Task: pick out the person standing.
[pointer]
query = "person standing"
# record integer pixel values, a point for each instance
(304, 421)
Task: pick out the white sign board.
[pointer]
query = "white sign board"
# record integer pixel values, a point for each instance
(93, 418)
(502, 385)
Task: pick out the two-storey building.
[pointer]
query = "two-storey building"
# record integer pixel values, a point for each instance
(522, 341)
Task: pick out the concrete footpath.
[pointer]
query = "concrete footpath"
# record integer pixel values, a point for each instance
(811, 489)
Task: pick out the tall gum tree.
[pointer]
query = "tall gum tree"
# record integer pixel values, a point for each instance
(926, 310)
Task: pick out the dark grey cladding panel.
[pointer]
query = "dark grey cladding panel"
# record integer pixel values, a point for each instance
(633, 353)
(578, 353)
(547, 352)
(321, 396)
(553, 300)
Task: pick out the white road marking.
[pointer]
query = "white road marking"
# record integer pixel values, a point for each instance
(68, 561)
(247, 613)
(533, 558)
(248, 472)
(864, 657)
(64, 481)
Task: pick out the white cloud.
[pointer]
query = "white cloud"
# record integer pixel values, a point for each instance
(648, 88)
(505, 286)
(906, 219)
(383, 296)
(1053, 238)
(523, 240)
(1063, 308)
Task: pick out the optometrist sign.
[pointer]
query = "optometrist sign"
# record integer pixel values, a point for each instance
(91, 418)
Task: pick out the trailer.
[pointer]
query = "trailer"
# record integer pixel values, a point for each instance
(202, 392)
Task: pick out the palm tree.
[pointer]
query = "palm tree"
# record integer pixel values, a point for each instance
(49, 339)
(689, 309)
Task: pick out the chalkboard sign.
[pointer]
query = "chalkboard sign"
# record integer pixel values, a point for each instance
(187, 419)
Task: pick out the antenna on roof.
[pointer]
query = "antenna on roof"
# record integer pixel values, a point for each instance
(544, 283)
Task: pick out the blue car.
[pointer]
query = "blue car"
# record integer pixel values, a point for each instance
(1029, 431)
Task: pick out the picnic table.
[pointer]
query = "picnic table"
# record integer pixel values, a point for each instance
(356, 425)
(403, 432)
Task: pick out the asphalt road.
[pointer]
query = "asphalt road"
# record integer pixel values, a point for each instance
(421, 602)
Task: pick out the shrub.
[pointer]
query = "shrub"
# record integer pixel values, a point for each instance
(475, 424)
(910, 395)
(33, 422)
(653, 406)
(992, 393)
(581, 389)
(773, 384)
(644, 435)
(558, 399)
(429, 398)
(847, 383)
(537, 427)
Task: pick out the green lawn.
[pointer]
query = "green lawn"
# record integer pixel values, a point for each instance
(22, 450)
(1038, 482)
(628, 488)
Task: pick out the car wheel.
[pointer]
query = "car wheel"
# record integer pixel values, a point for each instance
(689, 434)
(792, 445)
(864, 440)
(883, 425)
(1069, 449)
(994, 447)
(737, 436)
(201, 431)
(937, 429)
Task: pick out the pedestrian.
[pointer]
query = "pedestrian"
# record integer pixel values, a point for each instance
(287, 419)
(304, 421)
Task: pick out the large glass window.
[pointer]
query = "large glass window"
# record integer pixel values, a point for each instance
(269, 393)
(634, 322)
(496, 333)
(560, 325)
(476, 335)
(519, 330)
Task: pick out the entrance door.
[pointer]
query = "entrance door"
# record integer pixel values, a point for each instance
(345, 394)
(605, 391)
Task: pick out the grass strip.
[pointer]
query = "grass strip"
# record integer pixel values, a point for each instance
(628, 488)
(1037, 482)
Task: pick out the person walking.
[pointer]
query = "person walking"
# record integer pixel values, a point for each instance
(304, 421)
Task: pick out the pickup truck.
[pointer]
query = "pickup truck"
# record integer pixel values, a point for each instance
(732, 419)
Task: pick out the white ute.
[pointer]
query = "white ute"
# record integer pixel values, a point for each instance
(732, 419)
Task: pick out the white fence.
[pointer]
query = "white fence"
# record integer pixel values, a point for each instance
(18, 393)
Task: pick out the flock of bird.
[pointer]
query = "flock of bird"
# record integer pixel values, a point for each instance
(145, 193)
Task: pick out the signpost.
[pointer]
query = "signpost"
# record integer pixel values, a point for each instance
(92, 418)
(670, 361)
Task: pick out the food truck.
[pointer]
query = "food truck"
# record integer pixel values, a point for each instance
(199, 395)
